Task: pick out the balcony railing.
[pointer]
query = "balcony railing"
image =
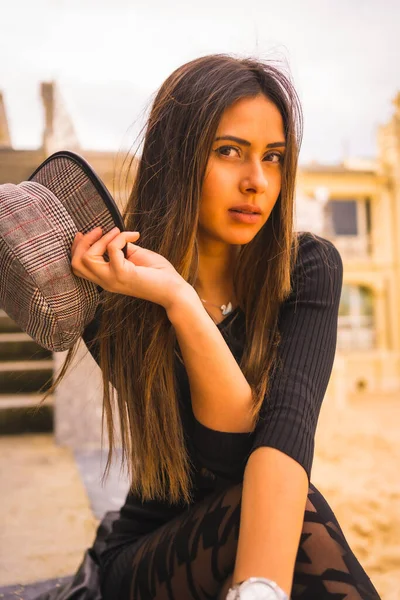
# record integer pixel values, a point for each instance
(356, 333)
(352, 247)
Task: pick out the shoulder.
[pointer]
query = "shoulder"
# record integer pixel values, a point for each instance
(313, 248)
(318, 266)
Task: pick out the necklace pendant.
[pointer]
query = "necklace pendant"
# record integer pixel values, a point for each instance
(226, 309)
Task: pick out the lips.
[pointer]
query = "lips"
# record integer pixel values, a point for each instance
(244, 217)
(247, 208)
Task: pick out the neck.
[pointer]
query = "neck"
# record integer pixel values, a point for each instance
(214, 281)
(217, 299)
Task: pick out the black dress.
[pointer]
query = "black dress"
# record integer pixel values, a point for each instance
(159, 551)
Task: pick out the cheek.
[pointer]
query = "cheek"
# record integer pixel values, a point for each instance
(217, 184)
(274, 187)
(212, 196)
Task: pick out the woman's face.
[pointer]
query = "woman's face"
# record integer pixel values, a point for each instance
(244, 167)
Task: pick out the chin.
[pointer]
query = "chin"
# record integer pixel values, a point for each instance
(241, 239)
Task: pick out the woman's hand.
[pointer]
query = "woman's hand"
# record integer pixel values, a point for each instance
(143, 273)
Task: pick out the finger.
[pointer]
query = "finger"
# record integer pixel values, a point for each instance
(115, 247)
(77, 238)
(130, 250)
(97, 246)
(92, 235)
(82, 242)
(75, 248)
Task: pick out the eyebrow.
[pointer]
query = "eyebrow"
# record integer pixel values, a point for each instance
(243, 142)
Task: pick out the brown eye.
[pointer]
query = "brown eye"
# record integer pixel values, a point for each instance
(225, 150)
(277, 157)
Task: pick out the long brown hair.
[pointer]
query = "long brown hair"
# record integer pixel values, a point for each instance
(136, 339)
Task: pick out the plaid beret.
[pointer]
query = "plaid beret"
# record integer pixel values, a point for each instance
(38, 222)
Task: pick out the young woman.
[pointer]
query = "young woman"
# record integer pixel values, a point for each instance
(217, 334)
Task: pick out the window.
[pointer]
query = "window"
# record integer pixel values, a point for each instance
(349, 222)
(344, 306)
(344, 217)
(368, 215)
(356, 328)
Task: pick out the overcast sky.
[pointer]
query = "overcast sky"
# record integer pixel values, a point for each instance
(110, 56)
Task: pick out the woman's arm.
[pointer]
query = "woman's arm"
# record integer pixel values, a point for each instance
(280, 455)
(274, 497)
(220, 394)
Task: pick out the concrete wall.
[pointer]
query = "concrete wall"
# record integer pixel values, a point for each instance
(78, 401)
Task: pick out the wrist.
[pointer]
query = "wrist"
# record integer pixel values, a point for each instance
(184, 298)
(256, 588)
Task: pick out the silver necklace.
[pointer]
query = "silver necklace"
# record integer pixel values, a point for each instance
(225, 308)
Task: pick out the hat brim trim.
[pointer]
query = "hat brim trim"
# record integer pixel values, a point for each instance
(95, 180)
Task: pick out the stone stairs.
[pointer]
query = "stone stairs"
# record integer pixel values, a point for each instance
(24, 368)
(372, 397)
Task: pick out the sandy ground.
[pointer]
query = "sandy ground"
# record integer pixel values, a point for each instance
(357, 468)
(47, 523)
(45, 519)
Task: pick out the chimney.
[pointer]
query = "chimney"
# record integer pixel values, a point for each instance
(47, 90)
(5, 139)
(59, 132)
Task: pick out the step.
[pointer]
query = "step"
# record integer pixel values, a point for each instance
(7, 338)
(26, 376)
(26, 365)
(8, 401)
(20, 346)
(27, 419)
(374, 397)
(6, 323)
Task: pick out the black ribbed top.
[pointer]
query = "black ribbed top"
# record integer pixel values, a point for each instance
(288, 419)
(308, 326)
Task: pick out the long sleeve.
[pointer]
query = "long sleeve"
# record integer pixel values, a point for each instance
(308, 327)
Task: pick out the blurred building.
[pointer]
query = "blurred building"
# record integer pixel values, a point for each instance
(355, 204)
(24, 366)
(58, 134)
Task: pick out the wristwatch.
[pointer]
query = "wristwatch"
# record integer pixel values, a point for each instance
(256, 588)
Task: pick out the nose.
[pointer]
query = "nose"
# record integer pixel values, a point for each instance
(254, 179)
